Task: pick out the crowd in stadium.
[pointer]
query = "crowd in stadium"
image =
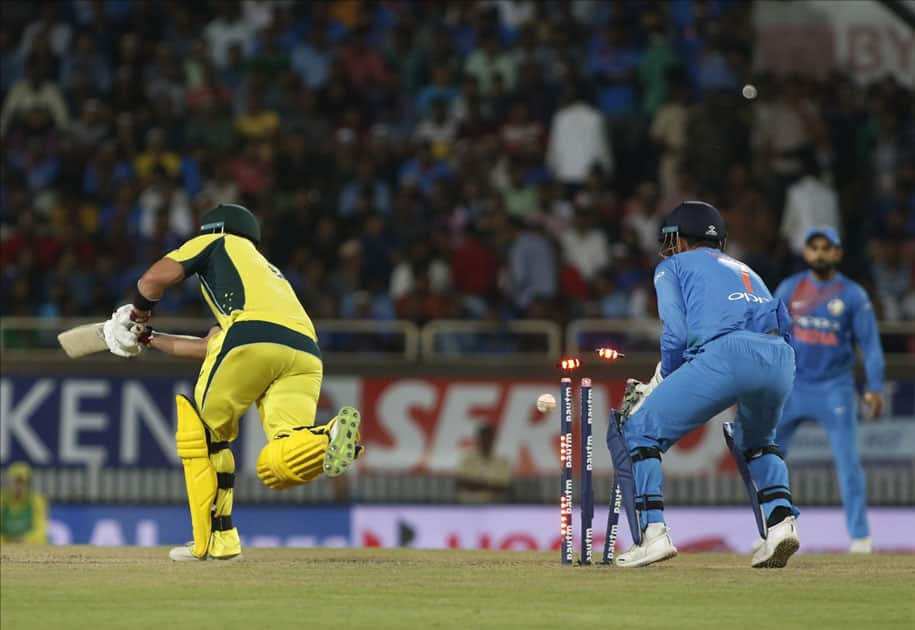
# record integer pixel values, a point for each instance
(420, 160)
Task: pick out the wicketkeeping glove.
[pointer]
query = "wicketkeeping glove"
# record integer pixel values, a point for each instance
(637, 391)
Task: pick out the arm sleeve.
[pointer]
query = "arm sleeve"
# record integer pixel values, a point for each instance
(672, 312)
(868, 338)
(193, 255)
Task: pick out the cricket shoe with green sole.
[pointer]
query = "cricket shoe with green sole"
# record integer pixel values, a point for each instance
(344, 447)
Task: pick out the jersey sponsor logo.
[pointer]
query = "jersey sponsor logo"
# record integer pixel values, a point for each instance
(737, 296)
(659, 275)
(835, 307)
(820, 323)
(815, 337)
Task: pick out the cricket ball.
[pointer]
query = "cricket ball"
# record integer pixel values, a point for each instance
(546, 402)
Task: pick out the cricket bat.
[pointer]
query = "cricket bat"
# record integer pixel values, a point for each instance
(82, 340)
(86, 339)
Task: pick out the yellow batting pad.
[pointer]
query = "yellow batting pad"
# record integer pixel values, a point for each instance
(293, 460)
(199, 473)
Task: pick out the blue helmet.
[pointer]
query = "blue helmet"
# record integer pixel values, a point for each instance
(696, 220)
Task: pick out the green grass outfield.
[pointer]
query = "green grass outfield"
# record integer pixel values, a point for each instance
(89, 587)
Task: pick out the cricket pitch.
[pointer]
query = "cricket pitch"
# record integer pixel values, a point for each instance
(131, 587)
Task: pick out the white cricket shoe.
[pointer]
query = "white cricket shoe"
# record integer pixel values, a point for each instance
(183, 554)
(861, 545)
(780, 544)
(656, 546)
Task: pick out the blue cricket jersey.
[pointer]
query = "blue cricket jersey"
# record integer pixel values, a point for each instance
(828, 318)
(704, 294)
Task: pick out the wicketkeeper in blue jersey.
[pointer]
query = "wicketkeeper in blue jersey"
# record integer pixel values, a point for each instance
(724, 341)
(831, 313)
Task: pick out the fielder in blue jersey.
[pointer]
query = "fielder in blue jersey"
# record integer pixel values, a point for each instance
(724, 341)
(830, 314)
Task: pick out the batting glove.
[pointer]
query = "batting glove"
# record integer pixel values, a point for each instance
(122, 340)
(129, 314)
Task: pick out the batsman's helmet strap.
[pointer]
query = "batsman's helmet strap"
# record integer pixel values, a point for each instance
(230, 218)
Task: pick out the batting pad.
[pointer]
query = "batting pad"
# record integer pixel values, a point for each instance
(293, 460)
(199, 473)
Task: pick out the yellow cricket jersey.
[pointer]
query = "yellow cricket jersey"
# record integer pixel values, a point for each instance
(24, 519)
(239, 284)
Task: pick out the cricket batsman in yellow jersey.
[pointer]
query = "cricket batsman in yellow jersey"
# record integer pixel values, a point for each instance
(264, 352)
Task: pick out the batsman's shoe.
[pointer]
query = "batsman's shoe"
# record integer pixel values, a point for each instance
(656, 546)
(343, 448)
(861, 545)
(184, 554)
(780, 544)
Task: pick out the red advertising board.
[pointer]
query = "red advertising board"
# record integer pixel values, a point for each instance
(426, 426)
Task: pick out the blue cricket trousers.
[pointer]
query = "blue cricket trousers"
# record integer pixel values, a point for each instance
(834, 405)
(753, 370)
